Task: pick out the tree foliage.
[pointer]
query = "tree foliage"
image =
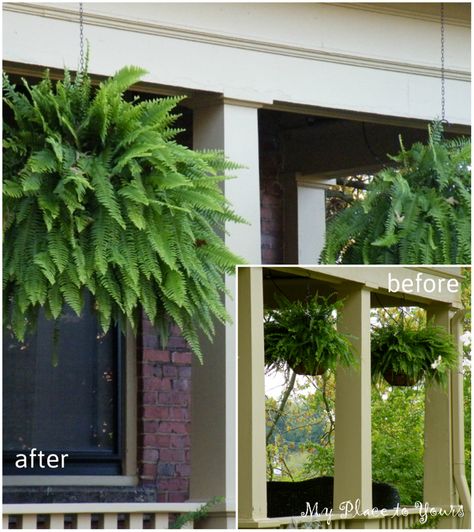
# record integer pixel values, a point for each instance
(417, 211)
(398, 439)
(99, 197)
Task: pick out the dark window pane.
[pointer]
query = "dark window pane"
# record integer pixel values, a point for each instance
(68, 406)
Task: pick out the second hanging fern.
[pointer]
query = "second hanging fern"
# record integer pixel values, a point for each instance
(417, 211)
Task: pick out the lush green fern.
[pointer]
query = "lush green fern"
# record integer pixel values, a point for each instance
(417, 351)
(304, 334)
(99, 197)
(415, 212)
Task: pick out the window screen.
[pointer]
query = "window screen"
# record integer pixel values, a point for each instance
(63, 396)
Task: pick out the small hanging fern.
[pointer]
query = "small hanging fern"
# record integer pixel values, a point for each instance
(415, 212)
(99, 197)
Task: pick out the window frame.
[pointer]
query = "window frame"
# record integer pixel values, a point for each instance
(127, 429)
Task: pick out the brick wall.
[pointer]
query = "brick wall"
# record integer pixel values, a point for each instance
(164, 416)
(271, 205)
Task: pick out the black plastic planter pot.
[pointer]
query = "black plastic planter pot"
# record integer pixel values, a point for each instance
(300, 369)
(399, 379)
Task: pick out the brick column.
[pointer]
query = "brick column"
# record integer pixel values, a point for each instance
(164, 417)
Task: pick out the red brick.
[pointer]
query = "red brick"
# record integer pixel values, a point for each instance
(150, 455)
(179, 413)
(165, 398)
(156, 354)
(166, 427)
(147, 327)
(177, 497)
(182, 385)
(183, 469)
(171, 455)
(183, 483)
(150, 427)
(170, 371)
(184, 371)
(181, 358)
(164, 383)
(155, 412)
(156, 383)
(149, 470)
(170, 484)
(149, 398)
(180, 441)
(179, 428)
(176, 342)
(163, 441)
(150, 440)
(179, 398)
(166, 470)
(175, 330)
(151, 369)
(150, 341)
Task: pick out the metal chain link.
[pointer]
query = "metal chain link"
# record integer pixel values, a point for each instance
(443, 80)
(81, 37)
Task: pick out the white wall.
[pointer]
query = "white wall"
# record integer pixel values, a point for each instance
(372, 58)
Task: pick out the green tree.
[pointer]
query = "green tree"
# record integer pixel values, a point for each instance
(295, 424)
(397, 439)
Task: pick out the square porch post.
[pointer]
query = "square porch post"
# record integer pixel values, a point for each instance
(231, 126)
(251, 403)
(353, 458)
(457, 388)
(438, 482)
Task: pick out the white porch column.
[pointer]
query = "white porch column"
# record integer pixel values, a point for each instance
(232, 127)
(252, 446)
(457, 391)
(438, 484)
(311, 217)
(353, 445)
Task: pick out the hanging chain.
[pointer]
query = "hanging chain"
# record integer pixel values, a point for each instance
(81, 38)
(443, 80)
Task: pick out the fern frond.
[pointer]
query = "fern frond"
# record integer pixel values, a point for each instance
(417, 211)
(100, 198)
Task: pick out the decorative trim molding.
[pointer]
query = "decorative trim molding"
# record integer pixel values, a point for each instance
(208, 100)
(69, 480)
(193, 35)
(314, 181)
(398, 10)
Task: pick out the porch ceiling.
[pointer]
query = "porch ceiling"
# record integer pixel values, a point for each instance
(297, 282)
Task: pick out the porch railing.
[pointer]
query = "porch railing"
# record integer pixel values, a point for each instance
(402, 519)
(96, 515)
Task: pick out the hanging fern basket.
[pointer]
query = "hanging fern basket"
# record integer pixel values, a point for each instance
(415, 211)
(399, 379)
(303, 335)
(99, 198)
(301, 368)
(405, 353)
